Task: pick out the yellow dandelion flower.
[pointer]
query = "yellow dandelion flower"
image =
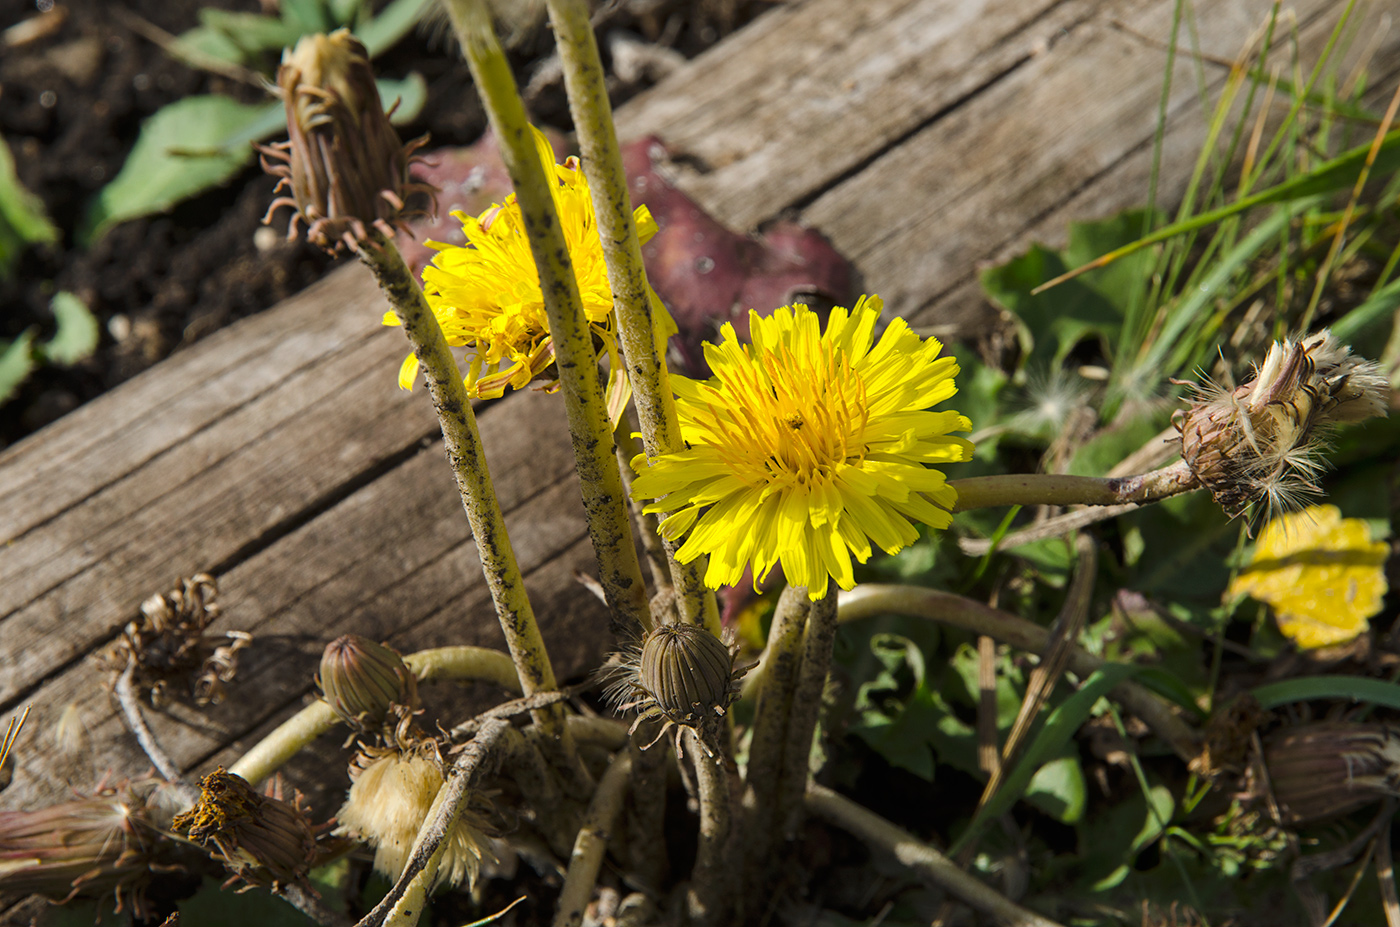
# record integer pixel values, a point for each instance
(486, 294)
(807, 445)
(1321, 573)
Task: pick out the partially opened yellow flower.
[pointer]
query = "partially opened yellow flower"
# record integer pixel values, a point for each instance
(1322, 574)
(806, 446)
(486, 294)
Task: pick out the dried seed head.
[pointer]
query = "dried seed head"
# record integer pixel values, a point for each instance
(168, 643)
(387, 805)
(263, 840)
(107, 844)
(1259, 444)
(343, 161)
(362, 679)
(1322, 770)
(682, 675)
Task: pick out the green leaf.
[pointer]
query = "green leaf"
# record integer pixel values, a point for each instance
(77, 333)
(252, 33)
(1351, 688)
(1110, 446)
(1048, 743)
(410, 94)
(1379, 305)
(16, 363)
(393, 23)
(212, 907)
(1057, 788)
(23, 221)
(306, 16)
(1114, 839)
(185, 148)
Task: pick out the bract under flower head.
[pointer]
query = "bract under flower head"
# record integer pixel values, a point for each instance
(486, 294)
(808, 445)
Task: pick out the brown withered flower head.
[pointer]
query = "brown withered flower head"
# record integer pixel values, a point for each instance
(261, 839)
(343, 162)
(683, 676)
(106, 844)
(168, 643)
(362, 680)
(1259, 445)
(1321, 770)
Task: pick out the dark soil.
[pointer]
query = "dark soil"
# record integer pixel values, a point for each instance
(71, 105)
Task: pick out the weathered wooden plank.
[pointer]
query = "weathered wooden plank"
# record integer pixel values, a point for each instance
(280, 451)
(979, 181)
(811, 92)
(394, 560)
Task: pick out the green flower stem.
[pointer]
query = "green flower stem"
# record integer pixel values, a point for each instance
(464, 453)
(710, 889)
(1057, 489)
(608, 733)
(780, 663)
(923, 860)
(404, 904)
(283, 742)
(867, 601)
(604, 501)
(592, 842)
(607, 185)
(477, 663)
(658, 558)
(817, 644)
(273, 751)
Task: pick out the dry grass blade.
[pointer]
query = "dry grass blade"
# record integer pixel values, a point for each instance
(1385, 872)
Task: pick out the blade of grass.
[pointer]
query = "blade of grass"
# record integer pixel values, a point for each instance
(1354, 688)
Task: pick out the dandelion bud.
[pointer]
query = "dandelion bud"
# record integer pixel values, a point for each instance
(265, 841)
(1258, 443)
(1322, 770)
(388, 804)
(683, 675)
(107, 844)
(361, 679)
(343, 161)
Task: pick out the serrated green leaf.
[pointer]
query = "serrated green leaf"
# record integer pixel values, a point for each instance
(23, 221)
(182, 150)
(16, 363)
(77, 333)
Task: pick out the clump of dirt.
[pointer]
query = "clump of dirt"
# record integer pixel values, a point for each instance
(72, 100)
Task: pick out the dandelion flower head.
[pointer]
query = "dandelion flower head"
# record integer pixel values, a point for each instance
(806, 446)
(486, 294)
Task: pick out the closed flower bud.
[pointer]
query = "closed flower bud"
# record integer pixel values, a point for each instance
(362, 679)
(343, 162)
(683, 675)
(1258, 444)
(1326, 769)
(107, 844)
(264, 841)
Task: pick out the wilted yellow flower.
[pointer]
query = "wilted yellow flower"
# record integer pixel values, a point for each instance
(486, 294)
(806, 446)
(1322, 574)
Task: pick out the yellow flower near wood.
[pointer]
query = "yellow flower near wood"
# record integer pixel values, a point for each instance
(1321, 573)
(486, 294)
(806, 446)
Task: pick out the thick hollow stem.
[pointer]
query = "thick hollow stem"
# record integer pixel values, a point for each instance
(592, 842)
(607, 184)
(817, 646)
(604, 501)
(710, 892)
(1057, 489)
(874, 599)
(462, 662)
(403, 905)
(779, 667)
(464, 453)
(923, 860)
